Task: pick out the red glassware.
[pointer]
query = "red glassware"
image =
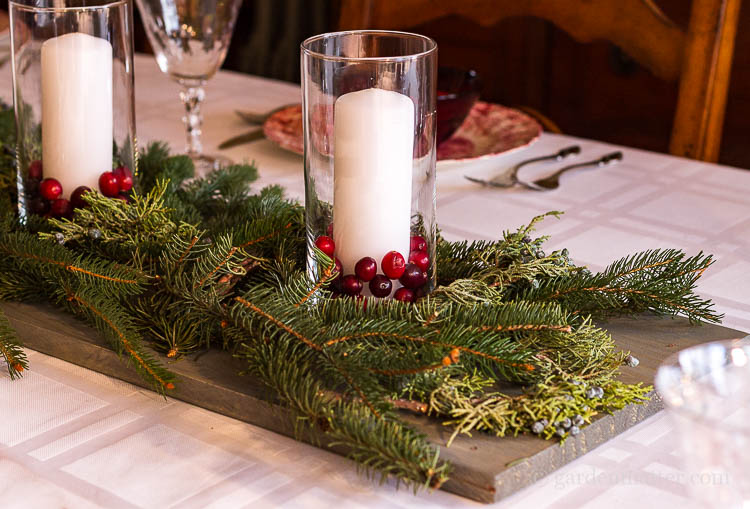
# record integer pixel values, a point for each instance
(457, 91)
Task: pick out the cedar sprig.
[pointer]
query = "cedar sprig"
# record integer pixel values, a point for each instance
(146, 224)
(515, 260)
(470, 404)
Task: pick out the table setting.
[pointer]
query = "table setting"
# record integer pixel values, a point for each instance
(308, 298)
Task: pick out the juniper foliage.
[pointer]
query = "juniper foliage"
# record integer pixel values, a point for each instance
(208, 263)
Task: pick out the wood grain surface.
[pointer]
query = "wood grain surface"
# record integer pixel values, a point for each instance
(486, 468)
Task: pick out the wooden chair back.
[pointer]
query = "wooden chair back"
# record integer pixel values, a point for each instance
(700, 58)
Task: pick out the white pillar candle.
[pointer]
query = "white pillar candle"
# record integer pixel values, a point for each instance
(76, 110)
(373, 147)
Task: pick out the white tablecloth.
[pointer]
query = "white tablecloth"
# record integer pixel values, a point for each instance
(70, 437)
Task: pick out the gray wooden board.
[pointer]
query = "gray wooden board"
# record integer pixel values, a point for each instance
(481, 463)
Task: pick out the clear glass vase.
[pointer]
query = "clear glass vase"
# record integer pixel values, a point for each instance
(369, 131)
(74, 102)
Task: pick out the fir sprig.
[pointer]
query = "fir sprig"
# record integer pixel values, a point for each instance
(660, 281)
(122, 334)
(10, 349)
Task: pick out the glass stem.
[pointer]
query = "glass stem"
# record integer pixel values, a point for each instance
(192, 97)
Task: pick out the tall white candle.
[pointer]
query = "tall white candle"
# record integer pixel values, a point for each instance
(373, 147)
(76, 110)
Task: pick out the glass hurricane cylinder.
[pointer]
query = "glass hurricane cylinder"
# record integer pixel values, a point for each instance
(369, 130)
(73, 99)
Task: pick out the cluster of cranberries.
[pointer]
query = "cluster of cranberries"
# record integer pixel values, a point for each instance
(412, 275)
(46, 193)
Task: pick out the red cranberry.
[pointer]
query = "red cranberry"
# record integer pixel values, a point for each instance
(381, 286)
(418, 243)
(50, 189)
(61, 208)
(108, 184)
(351, 285)
(335, 287)
(39, 206)
(35, 170)
(76, 199)
(32, 187)
(122, 197)
(393, 264)
(325, 244)
(420, 292)
(366, 268)
(124, 178)
(329, 230)
(421, 259)
(338, 269)
(404, 295)
(413, 276)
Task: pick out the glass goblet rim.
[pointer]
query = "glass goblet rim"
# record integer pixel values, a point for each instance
(668, 391)
(430, 46)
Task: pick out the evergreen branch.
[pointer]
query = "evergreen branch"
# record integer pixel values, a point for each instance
(378, 445)
(277, 322)
(353, 384)
(207, 264)
(388, 448)
(146, 223)
(330, 363)
(408, 371)
(265, 237)
(44, 258)
(217, 267)
(156, 165)
(10, 349)
(550, 401)
(327, 277)
(451, 358)
(70, 267)
(661, 281)
(105, 318)
(187, 250)
(524, 328)
(433, 342)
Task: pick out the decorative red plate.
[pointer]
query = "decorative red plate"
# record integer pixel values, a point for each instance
(285, 128)
(489, 130)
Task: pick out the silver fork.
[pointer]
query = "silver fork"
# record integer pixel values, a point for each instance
(508, 177)
(553, 181)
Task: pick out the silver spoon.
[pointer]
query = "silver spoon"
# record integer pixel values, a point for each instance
(553, 181)
(508, 177)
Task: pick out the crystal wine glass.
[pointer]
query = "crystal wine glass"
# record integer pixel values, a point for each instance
(190, 39)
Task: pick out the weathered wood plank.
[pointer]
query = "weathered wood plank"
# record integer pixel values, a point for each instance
(481, 462)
